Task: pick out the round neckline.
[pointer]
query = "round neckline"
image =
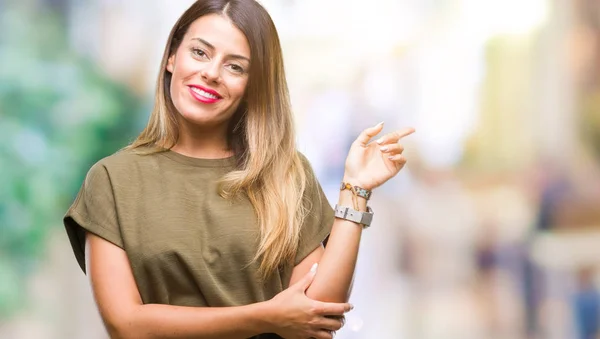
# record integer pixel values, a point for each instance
(200, 162)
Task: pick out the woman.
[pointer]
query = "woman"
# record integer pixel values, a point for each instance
(208, 224)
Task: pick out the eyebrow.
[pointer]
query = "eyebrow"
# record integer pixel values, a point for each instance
(209, 45)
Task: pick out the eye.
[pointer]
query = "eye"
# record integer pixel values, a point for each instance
(198, 52)
(236, 68)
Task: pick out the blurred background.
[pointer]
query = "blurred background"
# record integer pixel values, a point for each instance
(491, 231)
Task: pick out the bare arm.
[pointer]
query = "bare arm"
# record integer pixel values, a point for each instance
(368, 166)
(125, 316)
(334, 277)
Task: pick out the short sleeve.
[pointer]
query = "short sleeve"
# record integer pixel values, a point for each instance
(94, 210)
(319, 220)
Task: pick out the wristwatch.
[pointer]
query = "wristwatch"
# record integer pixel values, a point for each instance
(347, 213)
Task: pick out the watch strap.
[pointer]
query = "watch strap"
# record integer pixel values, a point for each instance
(347, 213)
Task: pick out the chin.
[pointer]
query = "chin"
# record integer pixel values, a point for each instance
(204, 118)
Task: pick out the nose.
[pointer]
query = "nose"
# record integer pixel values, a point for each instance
(211, 71)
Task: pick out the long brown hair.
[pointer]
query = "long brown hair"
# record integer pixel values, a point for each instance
(261, 133)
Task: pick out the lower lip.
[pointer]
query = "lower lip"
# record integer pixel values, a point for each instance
(201, 98)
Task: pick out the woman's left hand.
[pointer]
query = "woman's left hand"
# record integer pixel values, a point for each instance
(369, 165)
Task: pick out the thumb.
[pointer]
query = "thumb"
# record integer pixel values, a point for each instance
(305, 282)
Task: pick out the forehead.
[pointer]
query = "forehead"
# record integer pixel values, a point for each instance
(219, 32)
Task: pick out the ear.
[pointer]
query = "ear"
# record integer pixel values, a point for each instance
(171, 63)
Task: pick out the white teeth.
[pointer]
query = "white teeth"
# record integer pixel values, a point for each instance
(204, 94)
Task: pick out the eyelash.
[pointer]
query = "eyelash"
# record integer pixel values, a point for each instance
(235, 68)
(197, 52)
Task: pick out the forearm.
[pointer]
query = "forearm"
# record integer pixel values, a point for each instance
(336, 268)
(166, 321)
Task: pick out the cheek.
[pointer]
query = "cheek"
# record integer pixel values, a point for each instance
(182, 70)
(240, 87)
(175, 89)
(184, 67)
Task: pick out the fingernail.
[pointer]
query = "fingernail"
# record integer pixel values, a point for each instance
(391, 157)
(379, 141)
(379, 124)
(384, 149)
(313, 269)
(351, 307)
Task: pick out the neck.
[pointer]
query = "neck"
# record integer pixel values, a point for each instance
(203, 142)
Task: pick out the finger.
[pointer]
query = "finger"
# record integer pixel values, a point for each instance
(394, 137)
(333, 308)
(330, 324)
(398, 158)
(305, 282)
(392, 149)
(366, 135)
(340, 318)
(322, 334)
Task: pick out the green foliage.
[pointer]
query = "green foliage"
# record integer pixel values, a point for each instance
(58, 115)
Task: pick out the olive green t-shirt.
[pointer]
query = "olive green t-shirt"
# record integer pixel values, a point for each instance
(186, 245)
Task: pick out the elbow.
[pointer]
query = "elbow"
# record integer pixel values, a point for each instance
(122, 326)
(330, 288)
(114, 332)
(328, 296)
(118, 330)
(123, 332)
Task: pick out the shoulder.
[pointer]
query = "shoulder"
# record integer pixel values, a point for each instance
(304, 162)
(306, 166)
(127, 159)
(311, 178)
(123, 164)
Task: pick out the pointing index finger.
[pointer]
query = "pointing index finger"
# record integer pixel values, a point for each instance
(405, 132)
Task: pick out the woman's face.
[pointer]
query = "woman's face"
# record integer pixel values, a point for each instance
(209, 71)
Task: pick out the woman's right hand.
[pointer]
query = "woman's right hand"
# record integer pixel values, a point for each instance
(299, 317)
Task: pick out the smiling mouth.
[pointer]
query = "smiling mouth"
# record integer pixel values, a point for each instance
(204, 93)
(205, 96)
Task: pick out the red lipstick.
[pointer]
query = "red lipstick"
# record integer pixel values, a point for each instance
(204, 95)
